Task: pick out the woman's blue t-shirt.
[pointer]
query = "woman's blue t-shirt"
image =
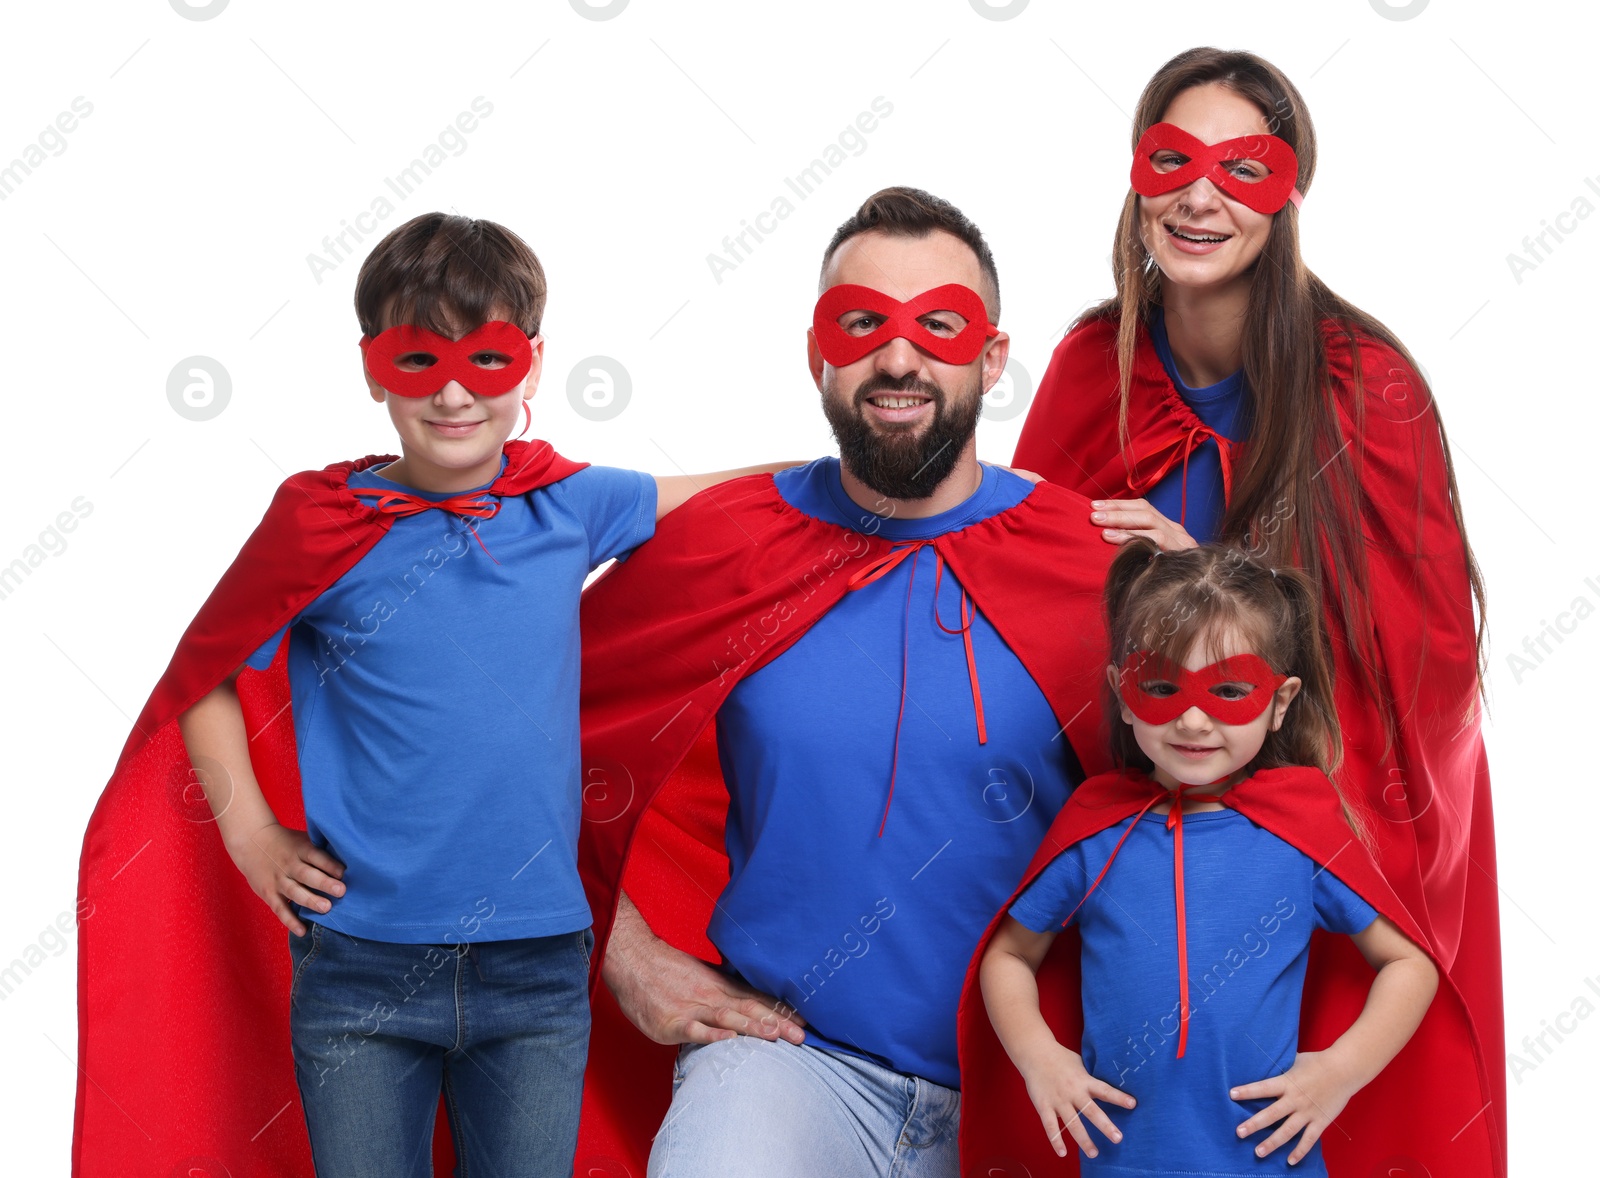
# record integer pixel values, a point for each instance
(1225, 407)
(1250, 903)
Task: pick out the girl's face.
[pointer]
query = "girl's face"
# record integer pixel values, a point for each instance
(1196, 748)
(1198, 235)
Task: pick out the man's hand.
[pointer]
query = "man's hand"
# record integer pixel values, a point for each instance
(284, 865)
(1122, 519)
(674, 997)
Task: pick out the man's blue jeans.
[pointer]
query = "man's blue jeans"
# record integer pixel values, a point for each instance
(746, 1106)
(379, 1029)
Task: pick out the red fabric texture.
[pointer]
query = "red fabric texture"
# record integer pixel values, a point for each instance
(184, 1064)
(730, 581)
(1447, 1126)
(1429, 794)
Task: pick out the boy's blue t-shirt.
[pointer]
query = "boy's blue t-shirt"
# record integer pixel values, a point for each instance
(1225, 407)
(1250, 903)
(435, 698)
(870, 937)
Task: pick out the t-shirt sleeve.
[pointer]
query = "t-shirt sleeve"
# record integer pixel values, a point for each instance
(1054, 893)
(1339, 910)
(262, 658)
(617, 507)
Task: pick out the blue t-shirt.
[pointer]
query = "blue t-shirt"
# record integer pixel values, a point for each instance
(435, 702)
(1250, 903)
(870, 937)
(1225, 407)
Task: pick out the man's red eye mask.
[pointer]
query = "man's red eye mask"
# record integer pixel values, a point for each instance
(452, 359)
(1266, 195)
(1194, 689)
(900, 321)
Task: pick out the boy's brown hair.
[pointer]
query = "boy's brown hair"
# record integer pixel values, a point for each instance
(448, 273)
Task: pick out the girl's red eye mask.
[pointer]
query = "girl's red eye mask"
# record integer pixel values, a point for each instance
(507, 349)
(901, 321)
(1275, 158)
(1158, 691)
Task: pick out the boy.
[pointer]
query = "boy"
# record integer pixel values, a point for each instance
(439, 932)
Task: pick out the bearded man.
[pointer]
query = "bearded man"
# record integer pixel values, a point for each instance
(828, 717)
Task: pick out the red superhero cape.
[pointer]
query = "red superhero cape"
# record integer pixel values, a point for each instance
(1429, 794)
(730, 581)
(1389, 1127)
(183, 973)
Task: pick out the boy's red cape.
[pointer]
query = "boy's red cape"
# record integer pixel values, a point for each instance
(184, 1064)
(731, 580)
(1430, 793)
(1427, 1113)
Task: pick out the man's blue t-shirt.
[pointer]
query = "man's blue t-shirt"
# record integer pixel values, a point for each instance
(1250, 903)
(1225, 407)
(435, 698)
(870, 937)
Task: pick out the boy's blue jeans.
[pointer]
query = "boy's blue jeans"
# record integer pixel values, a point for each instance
(379, 1029)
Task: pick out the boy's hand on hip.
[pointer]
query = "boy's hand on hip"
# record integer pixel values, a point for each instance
(1063, 1091)
(1310, 1095)
(282, 866)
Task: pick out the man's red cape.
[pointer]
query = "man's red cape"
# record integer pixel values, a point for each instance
(731, 580)
(1429, 793)
(184, 1063)
(1429, 1106)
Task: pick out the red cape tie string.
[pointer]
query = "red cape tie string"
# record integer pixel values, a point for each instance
(881, 567)
(476, 504)
(1174, 824)
(1171, 448)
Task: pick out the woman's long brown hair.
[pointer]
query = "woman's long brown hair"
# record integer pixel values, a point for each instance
(1295, 473)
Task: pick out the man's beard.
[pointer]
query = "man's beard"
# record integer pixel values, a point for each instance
(902, 462)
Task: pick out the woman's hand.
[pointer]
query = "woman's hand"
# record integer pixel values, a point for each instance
(1310, 1095)
(1123, 519)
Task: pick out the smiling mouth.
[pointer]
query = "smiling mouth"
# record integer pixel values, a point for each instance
(1199, 238)
(897, 400)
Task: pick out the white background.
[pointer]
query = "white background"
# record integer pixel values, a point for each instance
(178, 218)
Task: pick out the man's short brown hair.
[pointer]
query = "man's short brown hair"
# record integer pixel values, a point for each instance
(446, 272)
(911, 212)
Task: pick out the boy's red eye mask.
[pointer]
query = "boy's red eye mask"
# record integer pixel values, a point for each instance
(1158, 690)
(900, 321)
(450, 359)
(1266, 195)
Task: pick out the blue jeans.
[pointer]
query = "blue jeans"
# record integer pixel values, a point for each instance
(747, 1106)
(379, 1029)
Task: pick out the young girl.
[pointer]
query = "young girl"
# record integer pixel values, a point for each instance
(1195, 875)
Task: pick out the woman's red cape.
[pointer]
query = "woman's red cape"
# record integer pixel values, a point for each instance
(1430, 793)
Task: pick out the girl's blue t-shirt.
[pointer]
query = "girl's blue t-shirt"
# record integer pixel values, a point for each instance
(1250, 903)
(435, 701)
(1225, 407)
(869, 937)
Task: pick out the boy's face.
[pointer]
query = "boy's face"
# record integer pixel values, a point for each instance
(455, 431)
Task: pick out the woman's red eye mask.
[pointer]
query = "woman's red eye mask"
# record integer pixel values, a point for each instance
(448, 359)
(1266, 195)
(1158, 691)
(901, 321)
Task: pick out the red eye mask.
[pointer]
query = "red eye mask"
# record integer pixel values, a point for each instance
(900, 321)
(1158, 691)
(1266, 195)
(452, 359)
